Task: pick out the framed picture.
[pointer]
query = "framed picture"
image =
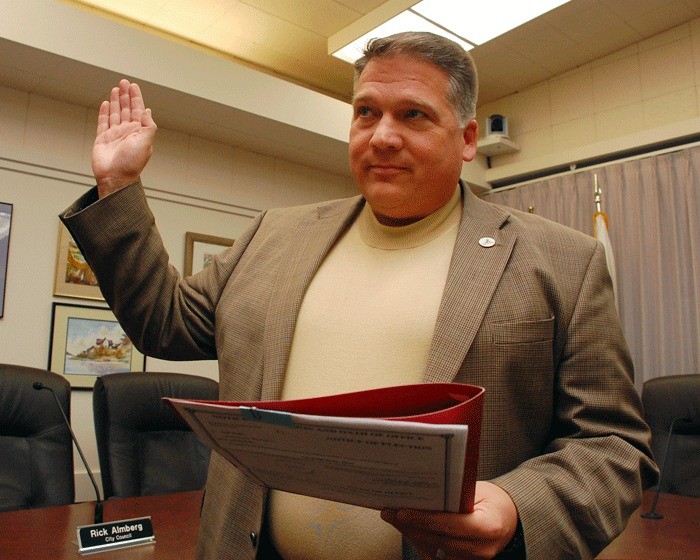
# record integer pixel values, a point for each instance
(5, 224)
(200, 249)
(74, 278)
(87, 342)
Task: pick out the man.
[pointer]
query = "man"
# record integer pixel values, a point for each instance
(415, 280)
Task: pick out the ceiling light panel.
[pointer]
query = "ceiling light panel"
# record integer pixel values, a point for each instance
(405, 21)
(478, 22)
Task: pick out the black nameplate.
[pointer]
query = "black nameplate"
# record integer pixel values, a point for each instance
(116, 534)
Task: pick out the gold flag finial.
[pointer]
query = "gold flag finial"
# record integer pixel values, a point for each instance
(598, 199)
(597, 193)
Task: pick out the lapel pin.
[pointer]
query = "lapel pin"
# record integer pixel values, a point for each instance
(487, 242)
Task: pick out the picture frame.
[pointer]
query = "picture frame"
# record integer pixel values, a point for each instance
(73, 277)
(5, 228)
(200, 248)
(87, 342)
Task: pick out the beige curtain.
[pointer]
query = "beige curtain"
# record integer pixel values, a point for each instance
(653, 206)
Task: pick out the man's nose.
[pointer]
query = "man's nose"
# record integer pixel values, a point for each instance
(386, 134)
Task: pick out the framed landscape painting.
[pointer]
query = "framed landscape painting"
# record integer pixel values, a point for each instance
(87, 342)
(5, 225)
(200, 249)
(74, 277)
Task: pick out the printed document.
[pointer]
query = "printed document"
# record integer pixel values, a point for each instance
(370, 462)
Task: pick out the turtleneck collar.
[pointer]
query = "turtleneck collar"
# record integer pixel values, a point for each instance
(392, 238)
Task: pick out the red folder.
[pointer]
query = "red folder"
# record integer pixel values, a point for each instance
(431, 403)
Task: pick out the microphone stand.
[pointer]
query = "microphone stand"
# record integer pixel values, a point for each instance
(651, 514)
(98, 504)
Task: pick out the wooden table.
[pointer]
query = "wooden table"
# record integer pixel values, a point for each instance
(50, 533)
(676, 536)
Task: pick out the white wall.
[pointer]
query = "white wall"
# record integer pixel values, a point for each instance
(643, 94)
(44, 166)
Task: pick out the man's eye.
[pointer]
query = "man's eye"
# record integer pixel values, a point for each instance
(414, 114)
(364, 112)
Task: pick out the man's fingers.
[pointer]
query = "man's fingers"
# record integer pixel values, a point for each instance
(103, 118)
(125, 105)
(137, 106)
(114, 116)
(148, 122)
(124, 101)
(454, 525)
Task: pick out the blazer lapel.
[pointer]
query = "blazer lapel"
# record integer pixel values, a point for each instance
(472, 279)
(311, 242)
(475, 271)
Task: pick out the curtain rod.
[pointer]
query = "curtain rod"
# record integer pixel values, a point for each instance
(599, 161)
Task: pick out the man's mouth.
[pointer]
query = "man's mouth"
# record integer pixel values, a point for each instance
(384, 168)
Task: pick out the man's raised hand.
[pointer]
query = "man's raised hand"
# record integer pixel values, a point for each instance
(124, 140)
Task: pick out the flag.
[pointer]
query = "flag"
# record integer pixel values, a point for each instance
(600, 232)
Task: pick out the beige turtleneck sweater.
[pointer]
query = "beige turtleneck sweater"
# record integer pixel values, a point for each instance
(366, 321)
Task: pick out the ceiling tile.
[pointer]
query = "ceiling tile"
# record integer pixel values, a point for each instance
(135, 10)
(590, 24)
(628, 8)
(289, 39)
(190, 17)
(307, 14)
(363, 6)
(668, 15)
(268, 29)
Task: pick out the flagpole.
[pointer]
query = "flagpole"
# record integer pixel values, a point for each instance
(600, 232)
(597, 198)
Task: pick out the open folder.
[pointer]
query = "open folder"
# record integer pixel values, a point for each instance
(406, 446)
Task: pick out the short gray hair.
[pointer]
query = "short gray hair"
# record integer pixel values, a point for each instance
(447, 55)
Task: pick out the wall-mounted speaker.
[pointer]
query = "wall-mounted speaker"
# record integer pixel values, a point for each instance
(497, 124)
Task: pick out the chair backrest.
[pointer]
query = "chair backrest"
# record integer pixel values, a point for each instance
(675, 399)
(144, 447)
(36, 468)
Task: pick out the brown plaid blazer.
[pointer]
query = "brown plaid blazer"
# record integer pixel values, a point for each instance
(531, 319)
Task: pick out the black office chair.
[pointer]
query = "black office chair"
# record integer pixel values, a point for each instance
(143, 446)
(36, 450)
(672, 406)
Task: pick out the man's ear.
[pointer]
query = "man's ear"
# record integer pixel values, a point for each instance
(471, 135)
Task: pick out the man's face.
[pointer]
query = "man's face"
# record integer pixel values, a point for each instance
(406, 145)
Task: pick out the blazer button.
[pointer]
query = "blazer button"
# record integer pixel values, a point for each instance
(254, 539)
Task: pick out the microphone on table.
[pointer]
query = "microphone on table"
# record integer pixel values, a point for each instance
(98, 504)
(651, 514)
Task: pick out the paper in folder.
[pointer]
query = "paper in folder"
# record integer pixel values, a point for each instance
(411, 446)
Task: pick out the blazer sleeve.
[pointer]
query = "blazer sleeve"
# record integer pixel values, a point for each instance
(165, 315)
(576, 496)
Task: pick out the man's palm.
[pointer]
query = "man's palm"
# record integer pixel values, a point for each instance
(126, 147)
(124, 140)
